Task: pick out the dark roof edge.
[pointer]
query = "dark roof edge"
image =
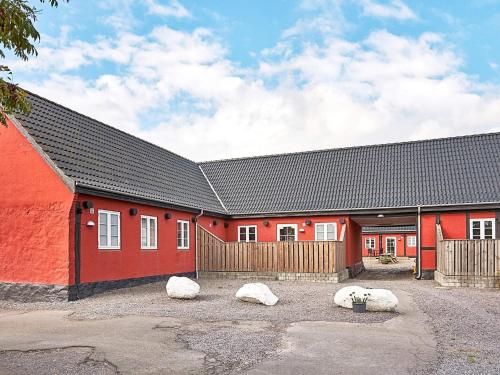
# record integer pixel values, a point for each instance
(213, 189)
(82, 189)
(348, 148)
(69, 182)
(107, 125)
(380, 210)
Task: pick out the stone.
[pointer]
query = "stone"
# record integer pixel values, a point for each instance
(378, 300)
(257, 293)
(182, 288)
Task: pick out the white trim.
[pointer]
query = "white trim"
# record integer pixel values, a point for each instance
(414, 242)
(280, 226)
(108, 229)
(182, 235)
(395, 245)
(211, 187)
(372, 239)
(148, 232)
(481, 228)
(247, 232)
(326, 232)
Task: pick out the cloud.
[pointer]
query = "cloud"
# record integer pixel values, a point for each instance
(175, 9)
(181, 90)
(393, 9)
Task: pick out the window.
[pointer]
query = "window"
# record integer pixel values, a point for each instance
(247, 233)
(109, 229)
(287, 232)
(482, 229)
(183, 234)
(148, 232)
(411, 241)
(390, 245)
(326, 231)
(370, 243)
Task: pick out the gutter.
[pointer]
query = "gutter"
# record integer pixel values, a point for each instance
(196, 244)
(418, 276)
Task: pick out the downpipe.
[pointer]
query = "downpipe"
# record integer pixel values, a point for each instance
(418, 276)
(196, 243)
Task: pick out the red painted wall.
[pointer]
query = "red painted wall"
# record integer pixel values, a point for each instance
(401, 238)
(353, 246)
(131, 261)
(34, 215)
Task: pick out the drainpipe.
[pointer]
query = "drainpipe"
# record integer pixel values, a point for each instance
(419, 247)
(196, 242)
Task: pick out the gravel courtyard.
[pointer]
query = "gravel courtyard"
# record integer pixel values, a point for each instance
(229, 336)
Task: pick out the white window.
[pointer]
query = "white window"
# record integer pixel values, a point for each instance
(482, 229)
(370, 243)
(182, 234)
(287, 232)
(325, 231)
(411, 241)
(109, 229)
(148, 232)
(390, 245)
(247, 233)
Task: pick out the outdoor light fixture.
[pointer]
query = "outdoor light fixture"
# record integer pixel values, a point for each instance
(194, 219)
(308, 222)
(214, 222)
(266, 223)
(132, 211)
(90, 223)
(226, 225)
(88, 204)
(380, 215)
(168, 215)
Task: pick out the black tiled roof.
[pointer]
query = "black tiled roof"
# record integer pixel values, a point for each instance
(390, 229)
(101, 157)
(448, 171)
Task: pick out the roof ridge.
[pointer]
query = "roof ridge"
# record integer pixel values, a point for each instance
(109, 126)
(376, 145)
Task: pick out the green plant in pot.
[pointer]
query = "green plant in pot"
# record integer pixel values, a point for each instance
(359, 302)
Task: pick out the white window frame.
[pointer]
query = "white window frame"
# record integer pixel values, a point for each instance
(247, 230)
(316, 225)
(148, 246)
(108, 231)
(481, 228)
(372, 240)
(280, 226)
(413, 242)
(395, 245)
(183, 239)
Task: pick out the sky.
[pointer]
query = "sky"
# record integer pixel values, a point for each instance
(212, 79)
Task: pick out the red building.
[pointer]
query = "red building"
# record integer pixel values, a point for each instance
(400, 241)
(86, 207)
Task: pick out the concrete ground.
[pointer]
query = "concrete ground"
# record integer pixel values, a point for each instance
(140, 331)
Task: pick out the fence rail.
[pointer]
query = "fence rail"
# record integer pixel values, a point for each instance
(294, 256)
(469, 257)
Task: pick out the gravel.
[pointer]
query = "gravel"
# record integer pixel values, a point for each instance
(299, 301)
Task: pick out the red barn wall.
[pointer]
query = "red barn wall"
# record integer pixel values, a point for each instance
(34, 215)
(131, 261)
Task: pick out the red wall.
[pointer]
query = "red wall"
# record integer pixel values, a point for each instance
(130, 261)
(401, 239)
(34, 215)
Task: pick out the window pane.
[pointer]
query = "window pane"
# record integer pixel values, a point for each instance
(152, 232)
(114, 241)
(114, 219)
(103, 240)
(488, 229)
(144, 226)
(243, 233)
(251, 237)
(320, 234)
(114, 230)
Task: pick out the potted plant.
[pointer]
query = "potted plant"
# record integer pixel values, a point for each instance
(359, 303)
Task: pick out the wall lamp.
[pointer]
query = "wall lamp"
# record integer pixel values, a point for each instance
(226, 225)
(132, 211)
(88, 204)
(308, 222)
(214, 223)
(167, 215)
(266, 223)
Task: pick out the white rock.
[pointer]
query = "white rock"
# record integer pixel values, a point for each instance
(257, 293)
(182, 288)
(343, 298)
(381, 300)
(378, 300)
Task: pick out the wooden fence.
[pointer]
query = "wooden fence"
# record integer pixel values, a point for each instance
(294, 256)
(468, 257)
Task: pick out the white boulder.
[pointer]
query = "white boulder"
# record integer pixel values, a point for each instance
(182, 288)
(257, 293)
(378, 299)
